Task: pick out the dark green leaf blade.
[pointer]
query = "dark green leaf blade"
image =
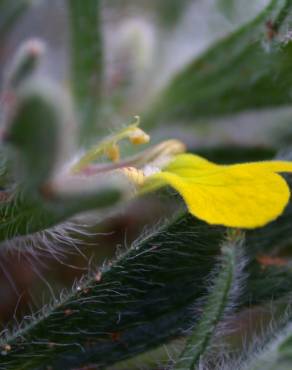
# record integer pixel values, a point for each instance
(142, 300)
(250, 69)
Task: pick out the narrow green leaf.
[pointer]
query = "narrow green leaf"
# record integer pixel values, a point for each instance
(34, 133)
(36, 138)
(249, 69)
(218, 302)
(87, 60)
(26, 214)
(140, 301)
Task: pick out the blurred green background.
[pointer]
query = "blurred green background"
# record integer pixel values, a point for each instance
(146, 43)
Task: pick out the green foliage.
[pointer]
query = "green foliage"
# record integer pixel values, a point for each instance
(37, 202)
(181, 278)
(220, 297)
(248, 69)
(38, 151)
(26, 214)
(87, 63)
(143, 299)
(140, 301)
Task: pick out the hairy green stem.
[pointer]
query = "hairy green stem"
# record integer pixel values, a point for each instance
(213, 311)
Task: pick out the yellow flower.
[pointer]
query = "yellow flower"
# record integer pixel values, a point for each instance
(247, 195)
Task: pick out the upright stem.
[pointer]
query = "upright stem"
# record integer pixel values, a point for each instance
(86, 63)
(217, 304)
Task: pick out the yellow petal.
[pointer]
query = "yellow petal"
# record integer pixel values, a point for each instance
(195, 162)
(243, 195)
(192, 161)
(274, 166)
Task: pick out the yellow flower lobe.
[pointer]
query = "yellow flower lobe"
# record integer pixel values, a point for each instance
(247, 195)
